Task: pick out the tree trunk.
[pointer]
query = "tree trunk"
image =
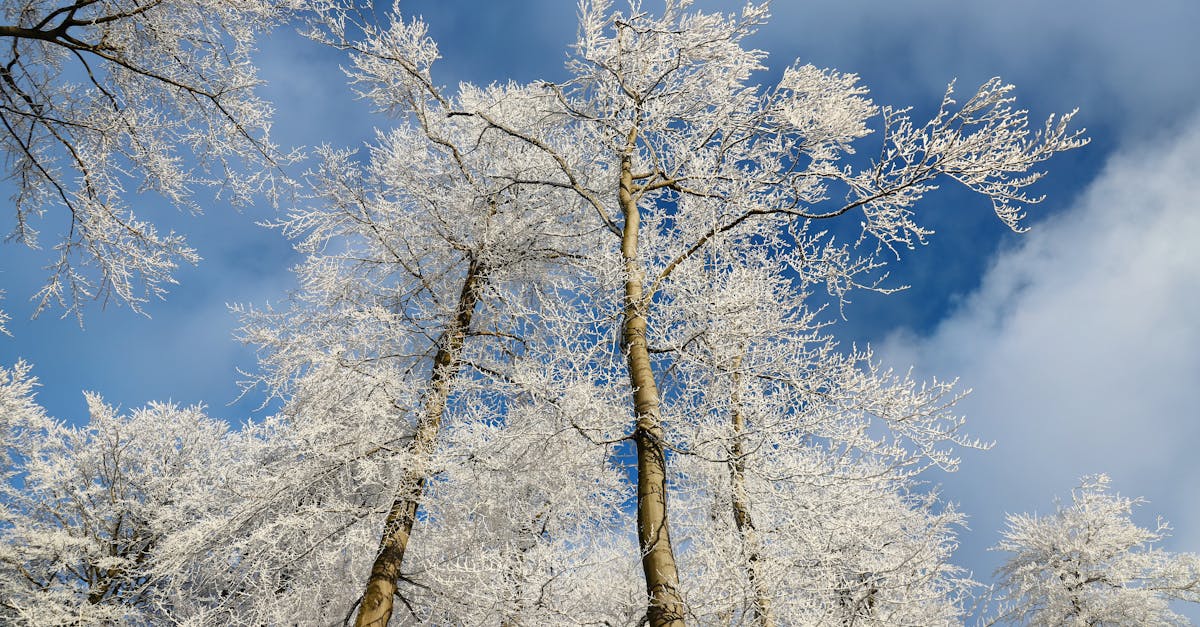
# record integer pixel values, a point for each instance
(527, 536)
(665, 605)
(761, 610)
(377, 600)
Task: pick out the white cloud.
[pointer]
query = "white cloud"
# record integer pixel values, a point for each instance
(1083, 347)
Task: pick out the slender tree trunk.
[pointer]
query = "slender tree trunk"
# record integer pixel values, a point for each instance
(751, 547)
(665, 605)
(528, 538)
(378, 598)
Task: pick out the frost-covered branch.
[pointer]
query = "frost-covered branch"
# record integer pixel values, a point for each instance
(100, 98)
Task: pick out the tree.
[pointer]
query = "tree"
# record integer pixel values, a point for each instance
(1090, 564)
(796, 463)
(86, 510)
(21, 420)
(100, 97)
(418, 264)
(671, 151)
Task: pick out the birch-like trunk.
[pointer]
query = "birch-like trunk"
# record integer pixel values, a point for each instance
(751, 547)
(377, 601)
(665, 605)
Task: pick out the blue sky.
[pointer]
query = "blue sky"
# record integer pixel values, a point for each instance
(1079, 338)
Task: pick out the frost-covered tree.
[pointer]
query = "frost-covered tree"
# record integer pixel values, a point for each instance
(795, 462)
(430, 258)
(21, 421)
(671, 151)
(101, 98)
(1089, 563)
(84, 511)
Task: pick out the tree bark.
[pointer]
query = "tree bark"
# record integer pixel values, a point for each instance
(761, 610)
(665, 605)
(377, 600)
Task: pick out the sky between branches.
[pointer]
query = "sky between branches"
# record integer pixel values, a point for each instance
(1079, 338)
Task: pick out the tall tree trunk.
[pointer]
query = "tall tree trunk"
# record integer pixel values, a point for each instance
(377, 601)
(751, 548)
(528, 537)
(665, 605)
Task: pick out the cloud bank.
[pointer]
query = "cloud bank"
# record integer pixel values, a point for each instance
(1083, 347)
